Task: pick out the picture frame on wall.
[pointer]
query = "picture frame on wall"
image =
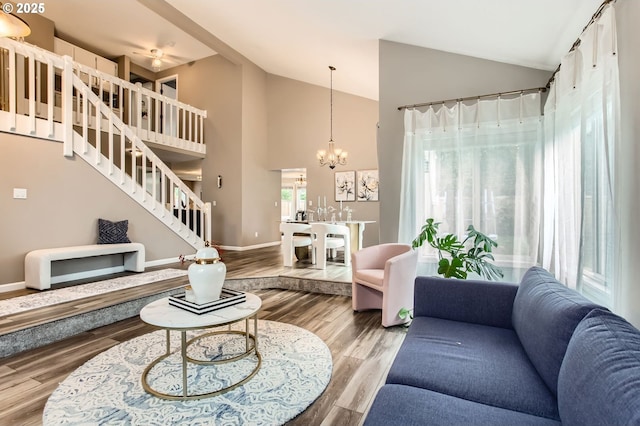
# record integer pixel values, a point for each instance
(367, 185)
(345, 184)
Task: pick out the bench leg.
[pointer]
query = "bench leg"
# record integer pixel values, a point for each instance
(37, 273)
(134, 261)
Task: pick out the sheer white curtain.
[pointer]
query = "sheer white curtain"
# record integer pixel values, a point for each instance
(476, 164)
(581, 132)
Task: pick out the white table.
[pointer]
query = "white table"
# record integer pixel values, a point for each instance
(165, 316)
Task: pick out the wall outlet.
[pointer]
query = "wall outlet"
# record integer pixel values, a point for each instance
(256, 234)
(310, 203)
(20, 193)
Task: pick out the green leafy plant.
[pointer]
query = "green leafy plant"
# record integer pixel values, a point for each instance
(473, 254)
(405, 313)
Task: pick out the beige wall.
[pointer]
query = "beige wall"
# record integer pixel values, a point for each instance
(299, 125)
(42, 31)
(65, 199)
(410, 75)
(259, 123)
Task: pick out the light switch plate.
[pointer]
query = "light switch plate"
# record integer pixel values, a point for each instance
(20, 193)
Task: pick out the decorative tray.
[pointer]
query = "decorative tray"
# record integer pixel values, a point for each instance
(227, 298)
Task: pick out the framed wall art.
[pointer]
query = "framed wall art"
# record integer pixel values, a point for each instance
(367, 185)
(345, 183)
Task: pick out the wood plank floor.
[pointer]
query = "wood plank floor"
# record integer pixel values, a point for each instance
(362, 349)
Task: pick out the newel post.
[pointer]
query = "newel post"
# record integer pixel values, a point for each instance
(67, 106)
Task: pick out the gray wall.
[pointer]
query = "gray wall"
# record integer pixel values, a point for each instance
(260, 186)
(215, 85)
(299, 125)
(66, 196)
(410, 75)
(628, 190)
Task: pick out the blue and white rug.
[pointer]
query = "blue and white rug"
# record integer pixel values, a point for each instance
(296, 368)
(67, 294)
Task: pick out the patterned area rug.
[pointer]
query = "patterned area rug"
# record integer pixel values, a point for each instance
(61, 295)
(296, 368)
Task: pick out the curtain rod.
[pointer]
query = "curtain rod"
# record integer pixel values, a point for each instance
(577, 42)
(491, 95)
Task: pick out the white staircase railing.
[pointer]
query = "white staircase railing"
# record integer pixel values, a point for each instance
(90, 128)
(154, 117)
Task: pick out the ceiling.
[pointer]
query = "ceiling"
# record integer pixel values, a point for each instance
(299, 39)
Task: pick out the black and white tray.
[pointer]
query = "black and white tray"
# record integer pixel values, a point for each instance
(227, 298)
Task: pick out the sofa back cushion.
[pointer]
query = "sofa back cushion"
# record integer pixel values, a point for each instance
(545, 314)
(599, 382)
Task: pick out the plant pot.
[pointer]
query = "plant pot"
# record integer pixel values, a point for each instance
(206, 275)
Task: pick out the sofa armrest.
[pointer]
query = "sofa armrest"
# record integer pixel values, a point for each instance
(480, 302)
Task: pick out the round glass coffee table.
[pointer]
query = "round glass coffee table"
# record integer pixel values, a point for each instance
(167, 317)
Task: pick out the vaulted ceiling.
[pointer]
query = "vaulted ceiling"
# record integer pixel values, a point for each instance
(299, 39)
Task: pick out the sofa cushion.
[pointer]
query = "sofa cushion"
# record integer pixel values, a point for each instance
(599, 381)
(471, 361)
(409, 406)
(545, 313)
(476, 301)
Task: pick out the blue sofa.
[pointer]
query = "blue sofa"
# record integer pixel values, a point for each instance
(487, 353)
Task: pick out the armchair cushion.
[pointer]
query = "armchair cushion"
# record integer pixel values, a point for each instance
(370, 276)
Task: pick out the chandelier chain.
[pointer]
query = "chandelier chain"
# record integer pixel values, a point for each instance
(334, 156)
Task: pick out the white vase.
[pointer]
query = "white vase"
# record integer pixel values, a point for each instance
(206, 275)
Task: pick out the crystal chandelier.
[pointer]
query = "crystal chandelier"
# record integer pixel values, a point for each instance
(334, 156)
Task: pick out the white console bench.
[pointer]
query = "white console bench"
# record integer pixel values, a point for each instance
(37, 263)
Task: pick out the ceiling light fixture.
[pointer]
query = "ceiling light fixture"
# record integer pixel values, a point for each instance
(11, 25)
(335, 156)
(301, 180)
(156, 62)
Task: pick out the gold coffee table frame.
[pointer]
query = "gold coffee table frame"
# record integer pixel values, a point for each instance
(184, 345)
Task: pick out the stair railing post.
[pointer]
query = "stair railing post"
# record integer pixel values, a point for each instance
(67, 106)
(207, 221)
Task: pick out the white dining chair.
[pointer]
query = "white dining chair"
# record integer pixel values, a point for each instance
(291, 241)
(329, 236)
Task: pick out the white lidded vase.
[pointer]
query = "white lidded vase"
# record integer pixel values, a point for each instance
(206, 275)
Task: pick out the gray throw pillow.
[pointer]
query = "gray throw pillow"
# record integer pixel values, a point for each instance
(113, 232)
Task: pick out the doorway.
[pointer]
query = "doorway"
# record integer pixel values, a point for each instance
(293, 198)
(168, 86)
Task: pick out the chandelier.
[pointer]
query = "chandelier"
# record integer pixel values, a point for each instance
(301, 180)
(334, 156)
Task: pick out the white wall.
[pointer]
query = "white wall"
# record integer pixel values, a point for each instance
(628, 182)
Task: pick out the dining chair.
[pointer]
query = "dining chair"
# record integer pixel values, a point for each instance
(329, 236)
(294, 235)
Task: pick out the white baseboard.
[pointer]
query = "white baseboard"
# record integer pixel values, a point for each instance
(12, 286)
(160, 262)
(256, 246)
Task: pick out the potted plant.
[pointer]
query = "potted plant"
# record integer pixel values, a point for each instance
(458, 258)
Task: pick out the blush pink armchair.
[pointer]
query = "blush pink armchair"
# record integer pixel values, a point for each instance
(382, 278)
